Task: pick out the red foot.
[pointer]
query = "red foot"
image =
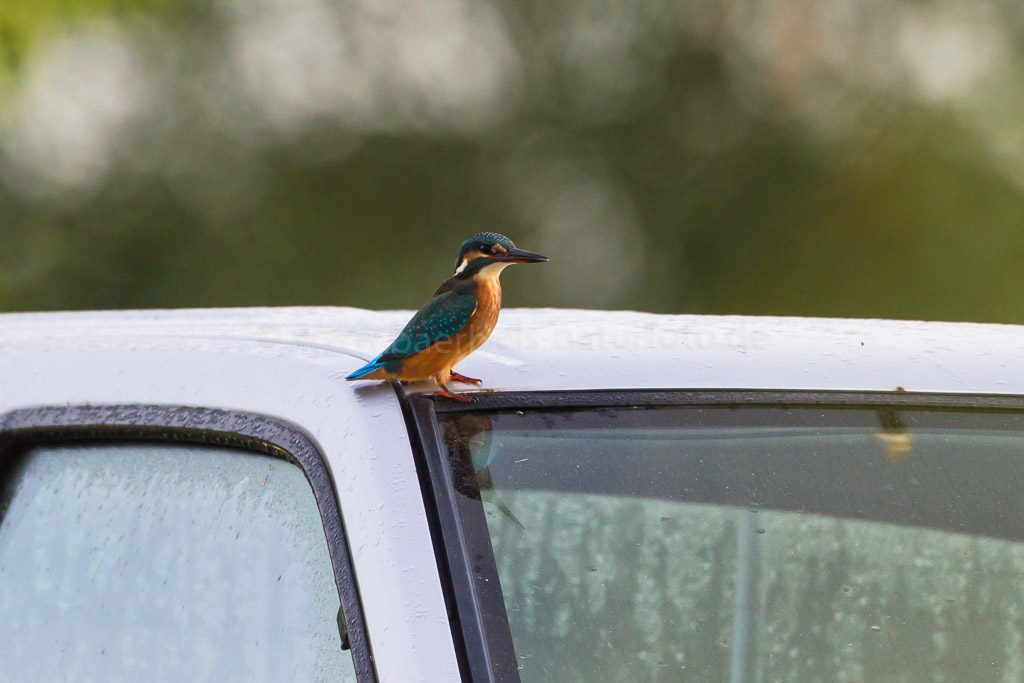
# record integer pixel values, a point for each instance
(443, 391)
(467, 380)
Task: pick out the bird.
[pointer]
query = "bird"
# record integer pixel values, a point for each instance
(458, 318)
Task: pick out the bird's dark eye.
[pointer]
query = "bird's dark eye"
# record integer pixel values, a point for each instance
(488, 249)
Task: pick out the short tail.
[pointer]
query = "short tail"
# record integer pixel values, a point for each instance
(369, 368)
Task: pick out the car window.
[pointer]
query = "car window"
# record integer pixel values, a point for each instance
(174, 562)
(748, 544)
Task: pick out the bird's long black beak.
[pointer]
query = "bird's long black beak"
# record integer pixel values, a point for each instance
(521, 256)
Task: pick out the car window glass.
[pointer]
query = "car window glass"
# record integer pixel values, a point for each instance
(164, 562)
(760, 544)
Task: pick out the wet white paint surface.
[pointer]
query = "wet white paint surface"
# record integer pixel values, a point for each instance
(291, 364)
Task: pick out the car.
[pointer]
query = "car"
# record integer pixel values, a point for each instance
(200, 494)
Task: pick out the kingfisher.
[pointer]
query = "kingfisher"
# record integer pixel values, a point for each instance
(458, 318)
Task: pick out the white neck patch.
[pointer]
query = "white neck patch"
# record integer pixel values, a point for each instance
(462, 266)
(493, 270)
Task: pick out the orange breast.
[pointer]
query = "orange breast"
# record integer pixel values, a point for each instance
(438, 359)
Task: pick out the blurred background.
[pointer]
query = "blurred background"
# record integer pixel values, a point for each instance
(810, 157)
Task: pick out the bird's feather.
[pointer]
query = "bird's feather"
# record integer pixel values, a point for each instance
(367, 369)
(440, 318)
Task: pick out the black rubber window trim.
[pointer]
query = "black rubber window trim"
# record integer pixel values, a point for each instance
(485, 648)
(151, 423)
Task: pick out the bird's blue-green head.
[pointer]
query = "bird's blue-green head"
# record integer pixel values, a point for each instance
(486, 249)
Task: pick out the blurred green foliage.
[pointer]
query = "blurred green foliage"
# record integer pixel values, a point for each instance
(22, 21)
(811, 158)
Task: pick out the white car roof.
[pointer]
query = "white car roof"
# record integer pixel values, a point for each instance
(291, 363)
(552, 349)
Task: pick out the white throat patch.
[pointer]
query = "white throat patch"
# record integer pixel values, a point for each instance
(493, 270)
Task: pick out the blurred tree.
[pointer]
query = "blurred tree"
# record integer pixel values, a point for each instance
(21, 21)
(811, 158)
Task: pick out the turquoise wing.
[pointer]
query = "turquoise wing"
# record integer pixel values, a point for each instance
(441, 317)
